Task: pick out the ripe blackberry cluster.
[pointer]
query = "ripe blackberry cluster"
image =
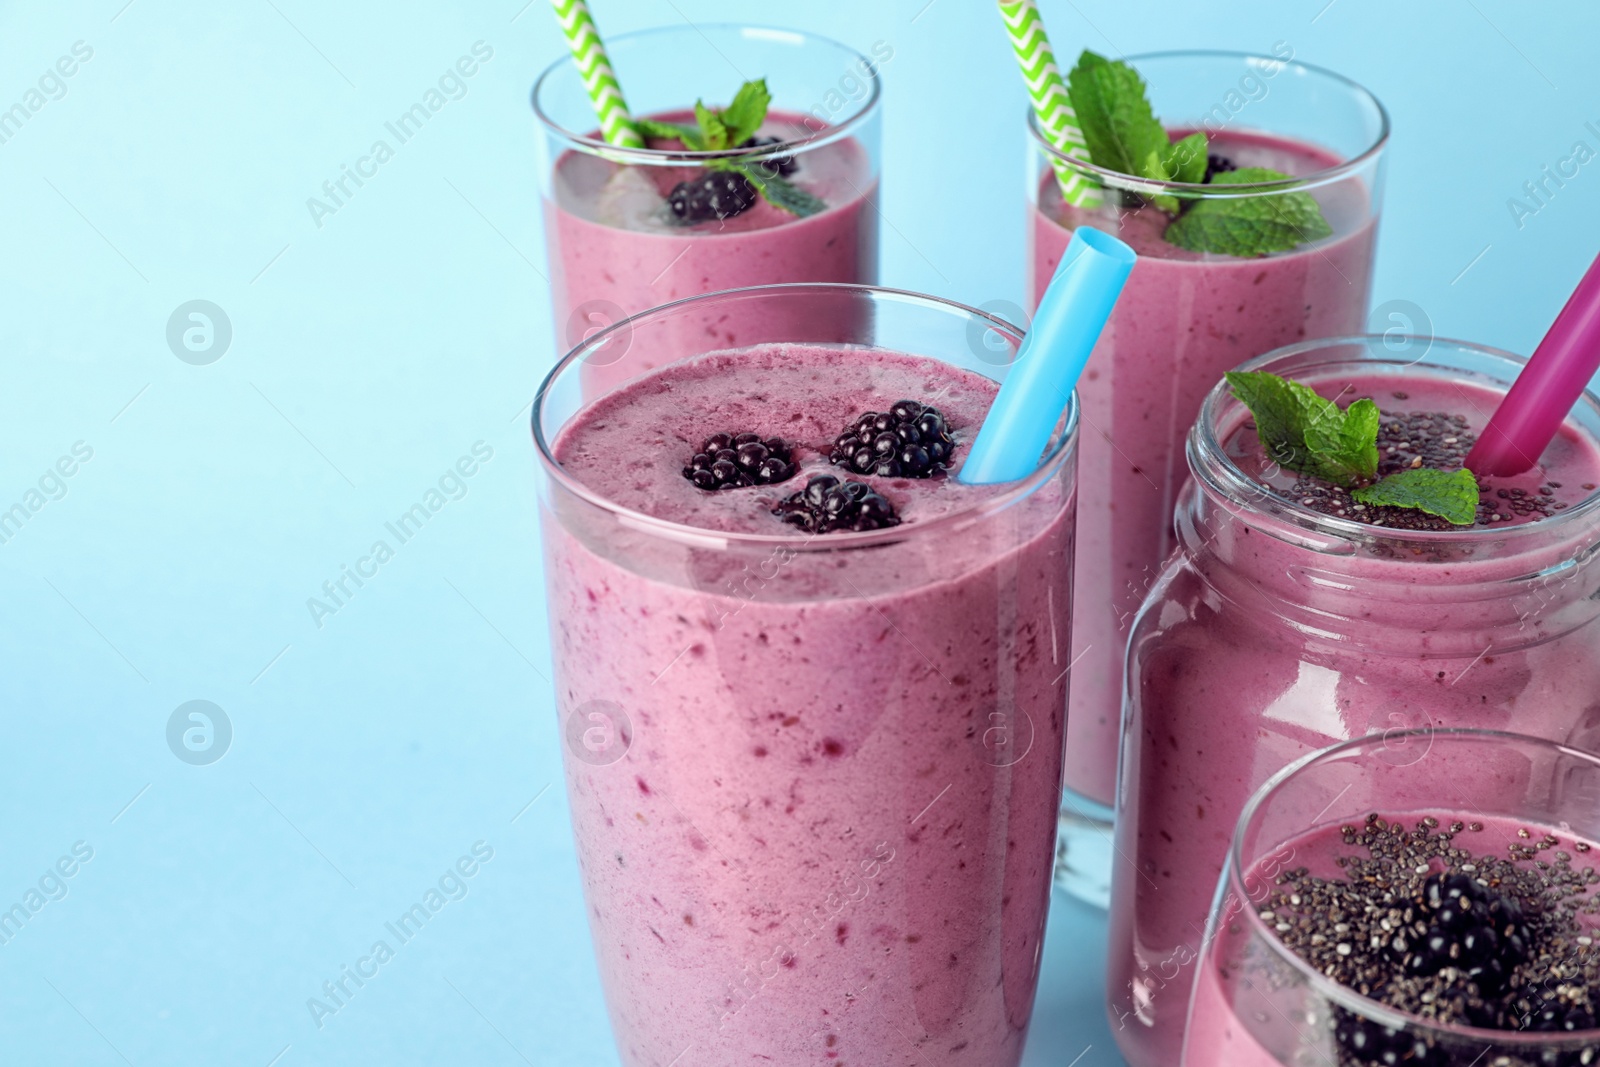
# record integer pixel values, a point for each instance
(716, 194)
(783, 166)
(1216, 164)
(907, 441)
(826, 504)
(736, 460)
(1466, 926)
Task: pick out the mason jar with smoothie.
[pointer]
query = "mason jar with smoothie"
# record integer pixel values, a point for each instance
(725, 179)
(814, 706)
(1250, 186)
(1338, 574)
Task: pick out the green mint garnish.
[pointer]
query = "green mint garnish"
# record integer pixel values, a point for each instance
(719, 130)
(1119, 128)
(1304, 432)
(1123, 134)
(780, 192)
(1451, 495)
(1249, 225)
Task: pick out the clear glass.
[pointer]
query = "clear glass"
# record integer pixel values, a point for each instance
(1275, 630)
(805, 860)
(1258, 1004)
(612, 248)
(1183, 319)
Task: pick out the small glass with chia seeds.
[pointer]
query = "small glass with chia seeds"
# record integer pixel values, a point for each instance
(1290, 619)
(1434, 911)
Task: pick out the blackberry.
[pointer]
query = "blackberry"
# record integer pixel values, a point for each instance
(716, 194)
(1369, 1042)
(1555, 1017)
(826, 505)
(1469, 927)
(1216, 164)
(736, 460)
(783, 166)
(907, 441)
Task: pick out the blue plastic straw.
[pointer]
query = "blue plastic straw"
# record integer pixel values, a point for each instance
(1052, 356)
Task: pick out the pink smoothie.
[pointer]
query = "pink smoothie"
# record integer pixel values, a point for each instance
(830, 838)
(1243, 1018)
(1183, 319)
(613, 250)
(1255, 649)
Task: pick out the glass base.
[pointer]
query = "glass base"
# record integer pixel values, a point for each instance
(1083, 849)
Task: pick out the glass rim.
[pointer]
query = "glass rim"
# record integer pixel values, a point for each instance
(580, 140)
(1200, 190)
(1064, 448)
(1219, 473)
(1342, 995)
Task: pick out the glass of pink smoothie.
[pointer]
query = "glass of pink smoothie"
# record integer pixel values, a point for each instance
(614, 243)
(1276, 629)
(1296, 970)
(813, 775)
(1184, 318)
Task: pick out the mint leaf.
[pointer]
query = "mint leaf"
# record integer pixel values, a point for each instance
(1451, 495)
(780, 192)
(1249, 225)
(1121, 131)
(744, 116)
(1304, 432)
(713, 133)
(1347, 440)
(670, 131)
(1186, 159)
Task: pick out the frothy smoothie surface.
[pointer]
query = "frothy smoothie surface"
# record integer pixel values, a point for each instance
(631, 446)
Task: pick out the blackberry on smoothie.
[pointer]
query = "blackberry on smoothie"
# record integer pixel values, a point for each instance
(1250, 188)
(1338, 574)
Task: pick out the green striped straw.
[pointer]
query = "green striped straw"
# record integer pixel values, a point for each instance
(1051, 103)
(616, 125)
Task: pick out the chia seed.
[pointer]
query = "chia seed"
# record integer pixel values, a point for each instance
(1358, 929)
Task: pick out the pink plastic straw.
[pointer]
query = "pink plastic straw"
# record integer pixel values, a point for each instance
(1527, 419)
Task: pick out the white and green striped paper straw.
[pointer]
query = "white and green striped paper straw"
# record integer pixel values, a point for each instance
(616, 125)
(1048, 91)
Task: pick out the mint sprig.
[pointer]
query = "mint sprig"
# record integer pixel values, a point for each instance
(1451, 495)
(1123, 134)
(718, 130)
(1303, 431)
(1249, 225)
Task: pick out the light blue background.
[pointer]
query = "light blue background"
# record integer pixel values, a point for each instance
(372, 352)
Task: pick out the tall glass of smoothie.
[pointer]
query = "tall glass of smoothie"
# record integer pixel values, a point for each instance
(1185, 317)
(1424, 898)
(814, 719)
(1293, 615)
(628, 229)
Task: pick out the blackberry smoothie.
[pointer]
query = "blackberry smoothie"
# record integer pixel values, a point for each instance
(1289, 619)
(1184, 318)
(617, 249)
(1517, 956)
(772, 181)
(826, 834)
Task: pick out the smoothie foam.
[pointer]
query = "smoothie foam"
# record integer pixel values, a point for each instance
(810, 851)
(1183, 319)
